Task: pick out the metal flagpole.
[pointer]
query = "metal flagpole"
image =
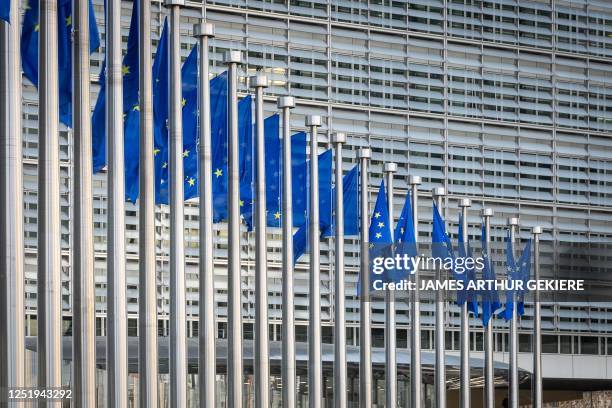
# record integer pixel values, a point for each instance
(116, 294)
(338, 139)
(285, 103)
(315, 381)
(513, 349)
(12, 317)
(390, 331)
(464, 338)
(365, 313)
(438, 194)
(207, 330)
(262, 353)
(83, 306)
(178, 319)
(537, 325)
(49, 247)
(234, 355)
(415, 310)
(147, 282)
(489, 372)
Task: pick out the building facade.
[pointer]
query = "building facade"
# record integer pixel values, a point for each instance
(506, 102)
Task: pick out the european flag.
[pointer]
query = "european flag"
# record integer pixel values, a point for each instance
(512, 274)
(131, 126)
(350, 198)
(300, 238)
(404, 233)
(524, 272)
(274, 182)
(189, 101)
(442, 247)
(490, 299)
(29, 49)
(469, 274)
(160, 73)
(246, 153)
(130, 98)
(5, 10)
(218, 127)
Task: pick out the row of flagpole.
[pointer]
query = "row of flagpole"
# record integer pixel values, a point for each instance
(49, 271)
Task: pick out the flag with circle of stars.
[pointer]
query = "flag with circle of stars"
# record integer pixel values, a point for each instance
(511, 274)
(350, 200)
(29, 49)
(490, 299)
(469, 274)
(441, 244)
(524, 272)
(380, 236)
(129, 69)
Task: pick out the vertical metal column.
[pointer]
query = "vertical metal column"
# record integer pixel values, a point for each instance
(438, 194)
(537, 324)
(207, 330)
(83, 306)
(365, 313)
(234, 355)
(464, 338)
(285, 103)
(12, 313)
(147, 280)
(116, 294)
(513, 349)
(338, 139)
(390, 325)
(415, 309)
(315, 381)
(262, 352)
(489, 370)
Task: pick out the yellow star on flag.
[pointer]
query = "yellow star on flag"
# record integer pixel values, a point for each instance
(242, 203)
(191, 181)
(165, 165)
(155, 151)
(186, 153)
(218, 172)
(136, 108)
(277, 215)
(125, 70)
(378, 235)
(377, 215)
(69, 21)
(183, 102)
(381, 224)
(37, 27)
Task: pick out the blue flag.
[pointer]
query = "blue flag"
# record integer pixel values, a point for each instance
(380, 232)
(160, 72)
(130, 98)
(512, 274)
(246, 162)
(300, 238)
(29, 49)
(442, 247)
(490, 298)
(5, 10)
(218, 129)
(350, 198)
(524, 272)
(274, 176)
(469, 272)
(404, 235)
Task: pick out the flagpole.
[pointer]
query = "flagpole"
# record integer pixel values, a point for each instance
(438, 194)
(464, 338)
(415, 310)
(83, 306)
(116, 294)
(338, 139)
(314, 330)
(513, 349)
(390, 330)
(365, 314)
(12, 319)
(537, 324)
(178, 323)
(49, 247)
(147, 281)
(262, 352)
(285, 103)
(234, 355)
(489, 370)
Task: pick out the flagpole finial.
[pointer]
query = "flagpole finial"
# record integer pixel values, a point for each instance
(487, 212)
(536, 230)
(258, 81)
(338, 138)
(438, 192)
(170, 3)
(313, 120)
(232, 57)
(390, 167)
(415, 180)
(204, 29)
(513, 221)
(365, 153)
(465, 202)
(286, 102)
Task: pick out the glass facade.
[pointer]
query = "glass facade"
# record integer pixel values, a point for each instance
(507, 102)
